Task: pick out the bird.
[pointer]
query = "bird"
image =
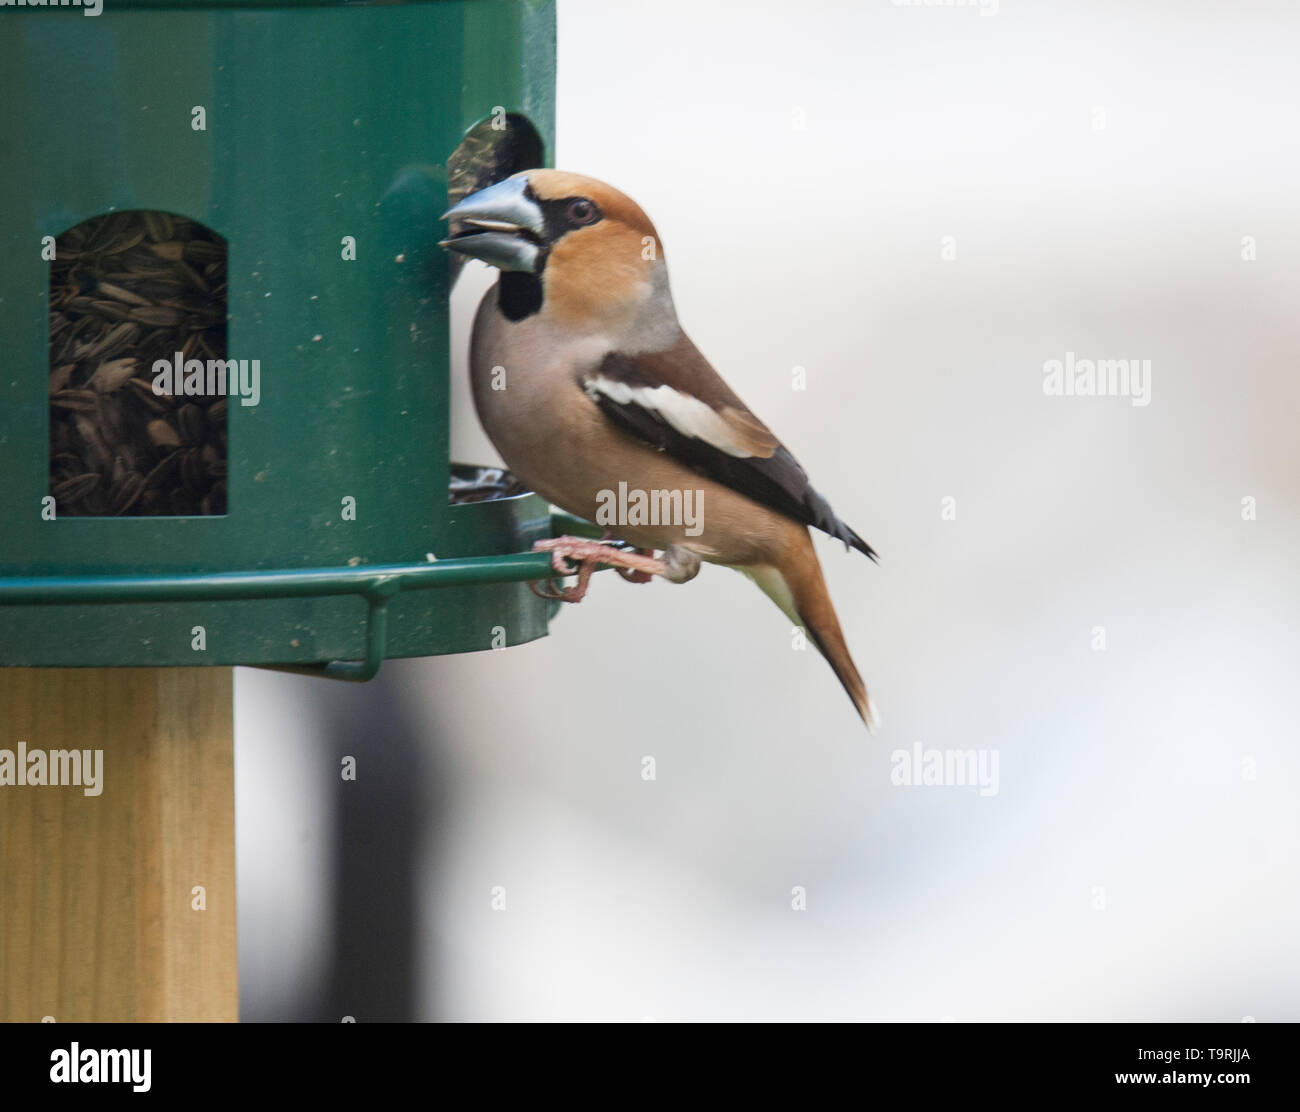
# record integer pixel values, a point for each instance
(586, 383)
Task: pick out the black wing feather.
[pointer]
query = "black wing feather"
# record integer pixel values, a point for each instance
(776, 481)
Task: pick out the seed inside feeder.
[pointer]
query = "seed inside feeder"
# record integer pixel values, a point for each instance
(481, 484)
(127, 289)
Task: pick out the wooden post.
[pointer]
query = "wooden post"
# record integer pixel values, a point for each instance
(100, 895)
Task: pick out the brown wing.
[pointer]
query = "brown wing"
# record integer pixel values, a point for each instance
(675, 401)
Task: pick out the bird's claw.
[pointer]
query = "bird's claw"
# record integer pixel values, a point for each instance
(551, 589)
(574, 556)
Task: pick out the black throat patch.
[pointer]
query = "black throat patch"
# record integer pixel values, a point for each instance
(520, 294)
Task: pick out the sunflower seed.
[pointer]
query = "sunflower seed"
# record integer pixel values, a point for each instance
(113, 310)
(117, 293)
(120, 245)
(204, 251)
(77, 401)
(72, 490)
(173, 250)
(196, 279)
(110, 418)
(143, 391)
(97, 453)
(161, 469)
(157, 314)
(113, 375)
(116, 338)
(126, 490)
(158, 225)
(163, 435)
(59, 377)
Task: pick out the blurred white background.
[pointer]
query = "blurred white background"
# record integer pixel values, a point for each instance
(1098, 165)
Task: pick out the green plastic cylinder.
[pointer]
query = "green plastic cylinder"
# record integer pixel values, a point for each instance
(321, 121)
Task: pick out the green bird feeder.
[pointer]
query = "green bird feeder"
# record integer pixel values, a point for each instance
(259, 187)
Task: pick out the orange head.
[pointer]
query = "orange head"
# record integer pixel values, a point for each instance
(591, 255)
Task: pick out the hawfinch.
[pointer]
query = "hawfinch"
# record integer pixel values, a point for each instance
(586, 384)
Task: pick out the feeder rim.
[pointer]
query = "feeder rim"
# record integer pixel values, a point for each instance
(375, 583)
(377, 580)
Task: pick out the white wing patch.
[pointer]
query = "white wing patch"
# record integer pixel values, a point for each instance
(688, 415)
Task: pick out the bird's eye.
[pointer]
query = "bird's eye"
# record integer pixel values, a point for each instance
(582, 211)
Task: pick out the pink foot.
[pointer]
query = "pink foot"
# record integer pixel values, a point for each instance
(573, 555)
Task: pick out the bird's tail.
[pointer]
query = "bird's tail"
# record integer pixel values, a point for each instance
(799, 589)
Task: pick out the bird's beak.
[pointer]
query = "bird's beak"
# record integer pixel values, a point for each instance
(501, 225)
